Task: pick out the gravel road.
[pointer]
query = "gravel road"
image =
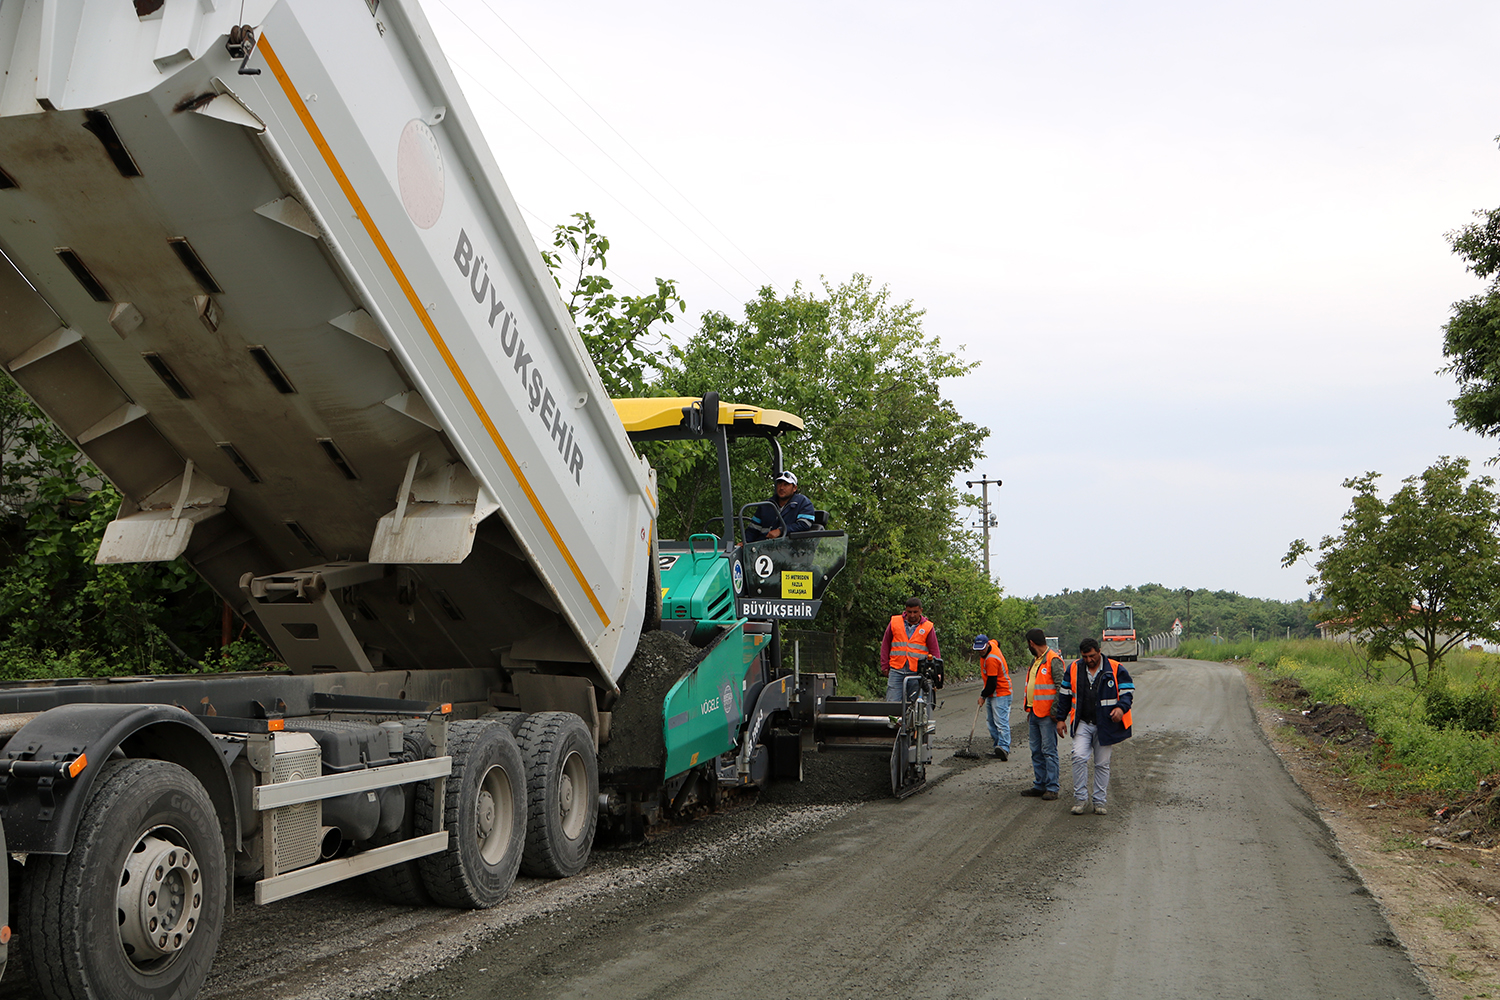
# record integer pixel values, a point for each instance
(1211, 877)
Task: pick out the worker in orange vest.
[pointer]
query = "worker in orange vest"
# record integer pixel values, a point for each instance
(908, 639)
(1097, 701)
(996, 693)
(1041, 691)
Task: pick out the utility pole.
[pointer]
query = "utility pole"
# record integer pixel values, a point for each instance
(987, 519)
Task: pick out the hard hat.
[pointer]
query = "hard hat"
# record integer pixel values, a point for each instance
(981, 642)
(787, 477)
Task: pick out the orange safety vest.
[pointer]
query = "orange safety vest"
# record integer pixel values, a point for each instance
(1041, 688)
(1073, 686)
(995, 666)
(908, 650)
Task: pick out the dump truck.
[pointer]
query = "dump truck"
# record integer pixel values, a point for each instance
(261, 267)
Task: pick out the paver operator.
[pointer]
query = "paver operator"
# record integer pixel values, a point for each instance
(909, 638)
(787, 512)
(996, 694)
(1041, 691)
(1097, 702)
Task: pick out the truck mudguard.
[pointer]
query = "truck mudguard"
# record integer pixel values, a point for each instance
(42, 812)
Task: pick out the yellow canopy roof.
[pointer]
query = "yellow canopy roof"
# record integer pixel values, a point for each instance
(655, 413)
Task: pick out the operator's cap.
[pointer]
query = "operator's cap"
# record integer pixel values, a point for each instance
(787, 477)
(981, 642)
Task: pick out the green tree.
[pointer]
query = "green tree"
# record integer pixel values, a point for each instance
(616, 329)
(1471, 337)
(60, 614)
(1419, 574)
(1076, 614)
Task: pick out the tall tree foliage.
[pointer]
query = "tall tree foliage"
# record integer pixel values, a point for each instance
(1471, 337)
(616, 329)
(1419, 574)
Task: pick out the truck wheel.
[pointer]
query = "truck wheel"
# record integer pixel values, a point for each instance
(510, 720)
(562, 794)
(484, 808)
(400, 883)
(137, 908)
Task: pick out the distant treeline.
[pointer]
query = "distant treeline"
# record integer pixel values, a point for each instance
(1075, 614)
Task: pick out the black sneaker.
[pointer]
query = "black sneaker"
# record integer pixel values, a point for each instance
(1049, 796)
(1034, 793)
(1004, 755)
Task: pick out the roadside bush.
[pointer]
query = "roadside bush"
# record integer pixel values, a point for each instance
(247, 653)
(1476, 709)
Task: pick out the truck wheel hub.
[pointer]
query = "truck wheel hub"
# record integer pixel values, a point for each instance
(160, 899)
(571, 789)
(492, 815)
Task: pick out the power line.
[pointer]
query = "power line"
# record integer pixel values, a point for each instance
(628, 210)
(579, 129)
(631, 146)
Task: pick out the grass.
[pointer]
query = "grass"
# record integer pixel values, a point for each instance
(1399, 842)
(1463, 973)
(860, 687)
(1458, 917)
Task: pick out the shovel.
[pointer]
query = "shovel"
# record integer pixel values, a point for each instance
(968, 752)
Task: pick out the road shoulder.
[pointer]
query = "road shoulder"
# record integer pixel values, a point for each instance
(1443, 903)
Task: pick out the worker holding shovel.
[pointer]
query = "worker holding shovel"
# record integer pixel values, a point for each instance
(996, 694)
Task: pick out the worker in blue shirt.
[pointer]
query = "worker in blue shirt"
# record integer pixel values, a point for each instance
(785, 513)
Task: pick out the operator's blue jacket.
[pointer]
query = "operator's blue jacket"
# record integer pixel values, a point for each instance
(1110, 731)
(797, 515)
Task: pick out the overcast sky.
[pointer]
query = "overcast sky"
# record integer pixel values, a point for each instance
(1198, 248)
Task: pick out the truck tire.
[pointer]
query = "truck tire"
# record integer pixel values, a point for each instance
(510, 720)
(484, 808)
(399, 883)
(562, 794)
(137, 908)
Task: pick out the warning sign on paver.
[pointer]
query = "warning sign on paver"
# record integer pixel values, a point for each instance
(796, 585)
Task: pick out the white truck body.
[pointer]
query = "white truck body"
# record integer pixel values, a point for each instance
(296, 318)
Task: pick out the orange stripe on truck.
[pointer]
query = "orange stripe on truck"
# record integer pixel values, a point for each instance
(355, 202)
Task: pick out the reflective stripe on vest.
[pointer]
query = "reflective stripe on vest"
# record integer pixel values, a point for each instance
(1108, 702)
(908, 650)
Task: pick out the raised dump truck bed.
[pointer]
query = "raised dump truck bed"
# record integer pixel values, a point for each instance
(294, 316)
